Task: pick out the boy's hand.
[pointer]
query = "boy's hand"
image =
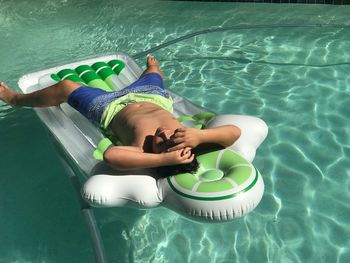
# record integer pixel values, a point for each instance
(185, 137)
(178, 157)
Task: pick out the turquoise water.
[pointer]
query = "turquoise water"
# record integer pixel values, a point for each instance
(295, 78)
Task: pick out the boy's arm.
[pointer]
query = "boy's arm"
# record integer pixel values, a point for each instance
(126, 158)
(224, 135)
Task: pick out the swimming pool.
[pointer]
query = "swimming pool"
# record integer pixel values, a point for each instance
(295, 78)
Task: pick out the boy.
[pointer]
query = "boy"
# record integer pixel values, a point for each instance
(139, 116)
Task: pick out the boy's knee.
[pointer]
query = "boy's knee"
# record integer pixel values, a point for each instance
(68, 83)
(68, 86)
(238, 132)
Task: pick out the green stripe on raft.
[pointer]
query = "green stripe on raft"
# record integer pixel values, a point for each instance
(117, 65)
(102, 75)
(69, 74)
(103, 70)
(108, 75)
(90, 77)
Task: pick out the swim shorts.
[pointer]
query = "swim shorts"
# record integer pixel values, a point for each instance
(93, 102)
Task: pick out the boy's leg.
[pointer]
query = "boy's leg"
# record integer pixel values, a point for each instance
(47, 97)
(57, 93)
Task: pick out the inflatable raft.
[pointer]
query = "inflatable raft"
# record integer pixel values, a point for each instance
(226, 186)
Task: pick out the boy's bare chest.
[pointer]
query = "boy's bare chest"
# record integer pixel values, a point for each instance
(138, 121)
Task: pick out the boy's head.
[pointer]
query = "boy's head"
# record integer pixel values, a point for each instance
(161, 143)
(161, 140)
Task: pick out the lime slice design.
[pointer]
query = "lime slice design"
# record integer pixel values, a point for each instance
(222, 174)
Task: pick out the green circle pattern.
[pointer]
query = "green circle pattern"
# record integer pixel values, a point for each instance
(220, 176)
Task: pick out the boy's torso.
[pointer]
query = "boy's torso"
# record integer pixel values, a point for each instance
(137, 122)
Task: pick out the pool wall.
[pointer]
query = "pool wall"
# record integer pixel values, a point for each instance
(326, 2)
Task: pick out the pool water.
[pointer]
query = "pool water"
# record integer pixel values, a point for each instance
(287, 64)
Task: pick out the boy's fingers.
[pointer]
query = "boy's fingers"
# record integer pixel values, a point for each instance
(179, 130)
(177, 140)
(190, 159)
(187, 154)
(176, 147)
(183, 151)
(177, 135)
(187, 149)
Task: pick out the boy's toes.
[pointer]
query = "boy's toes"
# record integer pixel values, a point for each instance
(6, 94)
(151, 61)
(3, 85)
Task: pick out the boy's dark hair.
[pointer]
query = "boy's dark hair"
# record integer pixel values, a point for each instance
(166, 171)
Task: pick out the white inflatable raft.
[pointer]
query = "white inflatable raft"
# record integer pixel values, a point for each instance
(227, 186)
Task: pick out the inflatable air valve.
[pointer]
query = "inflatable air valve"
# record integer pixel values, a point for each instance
(108, 75)
(92, 78)
(69, 74)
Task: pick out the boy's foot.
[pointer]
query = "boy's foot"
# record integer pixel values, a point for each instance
(152, 66)
(152, 61)
(6, 94)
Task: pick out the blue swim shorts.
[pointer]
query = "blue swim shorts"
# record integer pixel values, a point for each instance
(91, 102)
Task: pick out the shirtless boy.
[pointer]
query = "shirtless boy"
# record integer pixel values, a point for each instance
(151, 136)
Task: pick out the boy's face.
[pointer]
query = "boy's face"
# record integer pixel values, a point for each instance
(161, 140)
